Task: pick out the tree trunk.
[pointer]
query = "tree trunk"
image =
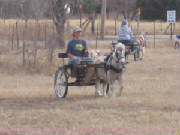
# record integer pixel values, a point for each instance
(17, 35)
(45, 36)
(59, 17)
(12, 39)
(24, 42)
(93, 23)
(103, 16)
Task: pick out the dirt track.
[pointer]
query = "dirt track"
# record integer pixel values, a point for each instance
(149, 105)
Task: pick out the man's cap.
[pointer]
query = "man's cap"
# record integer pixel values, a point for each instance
(77, 29)
(124, 22)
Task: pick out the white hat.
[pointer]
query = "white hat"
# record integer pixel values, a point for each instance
(77, 29)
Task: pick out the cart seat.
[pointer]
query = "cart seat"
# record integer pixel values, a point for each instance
(133, 44)
(62, 55)
(85, 62)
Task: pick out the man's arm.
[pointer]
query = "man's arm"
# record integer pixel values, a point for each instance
(130, 32)
(85, 48)
(68, 51)
(86, 51)
(69, 55)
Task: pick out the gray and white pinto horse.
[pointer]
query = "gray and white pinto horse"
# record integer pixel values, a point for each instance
(114, 67)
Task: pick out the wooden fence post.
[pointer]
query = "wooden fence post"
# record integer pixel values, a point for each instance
(154, 34)
(171, 30)
(103, 18)
(17, 35)
(45, 35)
(97, 34)
(115, 21)
(24, 42)
(12, 38)
(9, 38)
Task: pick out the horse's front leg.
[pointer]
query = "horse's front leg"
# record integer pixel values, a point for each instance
(97, 87)
(111, 86)
(110, 82)
(105, 89)
(120, 84)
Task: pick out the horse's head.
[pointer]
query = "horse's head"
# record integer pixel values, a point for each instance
(119, 53)
(140, 39)
(117, 57)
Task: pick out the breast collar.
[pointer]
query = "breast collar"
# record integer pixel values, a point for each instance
(111, 67)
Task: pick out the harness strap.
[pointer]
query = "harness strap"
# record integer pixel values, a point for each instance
(110, 67)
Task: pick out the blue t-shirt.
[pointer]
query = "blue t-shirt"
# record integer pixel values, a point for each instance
(77, 47)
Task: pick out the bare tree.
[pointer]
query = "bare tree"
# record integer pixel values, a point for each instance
(103, 17)
(26, 12)
(40, 8)
(123, 7)
(59, 18)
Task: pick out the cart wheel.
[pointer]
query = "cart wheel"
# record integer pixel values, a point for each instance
(106, 87)
(61, 83)
(176, 46)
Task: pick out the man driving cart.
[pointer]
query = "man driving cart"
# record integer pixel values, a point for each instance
(77, 49)
(77, 52)
(125, 35)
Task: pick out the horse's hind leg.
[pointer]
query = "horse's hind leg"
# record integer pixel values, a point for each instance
(141, 54)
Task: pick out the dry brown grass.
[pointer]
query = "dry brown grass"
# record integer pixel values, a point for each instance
(149, 103)
(144, 26)
(6, 28)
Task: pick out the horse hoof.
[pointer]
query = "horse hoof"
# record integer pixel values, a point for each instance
(98, 93)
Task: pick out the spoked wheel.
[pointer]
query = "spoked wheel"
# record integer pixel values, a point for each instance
(61, 83)
(103, 86)
(176, 46)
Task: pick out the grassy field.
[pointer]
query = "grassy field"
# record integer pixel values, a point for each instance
(45, 28)
(149, 105)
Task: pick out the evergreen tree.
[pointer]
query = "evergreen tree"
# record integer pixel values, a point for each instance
(89, 6)
(157, 9)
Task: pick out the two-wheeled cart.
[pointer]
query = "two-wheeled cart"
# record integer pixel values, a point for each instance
(83, 75)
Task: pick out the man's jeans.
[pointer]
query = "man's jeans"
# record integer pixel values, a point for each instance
(126, 42)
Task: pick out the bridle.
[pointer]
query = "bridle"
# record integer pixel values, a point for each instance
(116, 55)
